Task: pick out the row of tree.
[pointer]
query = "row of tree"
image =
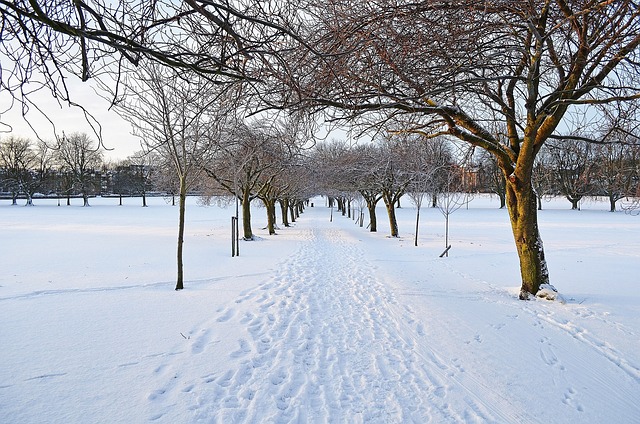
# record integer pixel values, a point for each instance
(507, 77)
(259, 162)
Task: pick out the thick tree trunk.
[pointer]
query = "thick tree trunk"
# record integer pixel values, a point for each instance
(182, 208)
(393, 222)
(575, 202)
(270, 206)
(246, 216)
(612, 203)
(521, 203)
(292, 212)
(284, 210)
(144, 199)
(373, 222)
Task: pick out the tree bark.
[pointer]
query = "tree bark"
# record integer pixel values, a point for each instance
(373, 222)
(270, 205)
(393, 222)
(521, 204)
(182, 207)
(575, 202)
(417, 225)
(246, 216)
(284, 209)
(612, 203)
(292, 212)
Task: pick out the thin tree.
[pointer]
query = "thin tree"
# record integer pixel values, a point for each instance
(176, 120)
(427, 161)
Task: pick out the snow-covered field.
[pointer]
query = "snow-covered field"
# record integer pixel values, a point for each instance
(323, 323)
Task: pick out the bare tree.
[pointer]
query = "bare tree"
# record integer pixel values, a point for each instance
(492, 178)
(242, 165)
(427, 162)
(17, 158)
(48, 42)
(393, 177)
(141, 164)
(542, 177)
(571, 162)
(178, 121)
(459, 67)
(80, 157)
(614, 170)
(453, 197)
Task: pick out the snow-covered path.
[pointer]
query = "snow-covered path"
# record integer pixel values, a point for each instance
(325, 341)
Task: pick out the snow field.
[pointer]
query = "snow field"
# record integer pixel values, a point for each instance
(323, 323)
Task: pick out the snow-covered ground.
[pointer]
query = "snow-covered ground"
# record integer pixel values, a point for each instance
(323, 323)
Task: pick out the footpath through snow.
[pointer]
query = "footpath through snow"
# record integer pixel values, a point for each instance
(322, 341)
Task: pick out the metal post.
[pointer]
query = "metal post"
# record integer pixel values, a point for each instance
(234, 223)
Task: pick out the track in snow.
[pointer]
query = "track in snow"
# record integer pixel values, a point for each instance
(323, 341)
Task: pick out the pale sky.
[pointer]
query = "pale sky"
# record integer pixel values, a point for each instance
(116, 132)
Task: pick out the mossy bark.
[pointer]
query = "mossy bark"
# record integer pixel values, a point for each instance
(521, 203)
(393, 221)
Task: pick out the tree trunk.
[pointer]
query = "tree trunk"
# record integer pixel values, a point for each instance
(246, 216)
(182, 207)
(503, 200)
(292, 212)
(539, 202)
(417, 225)
(270, 206)
(521, 203)
(144, 199)
(446, 234)
(612, 203)
(373, 222)
(393, 222)
(575, 202)
(284, 209)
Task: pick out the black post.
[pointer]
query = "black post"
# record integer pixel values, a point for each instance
(234, 223)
